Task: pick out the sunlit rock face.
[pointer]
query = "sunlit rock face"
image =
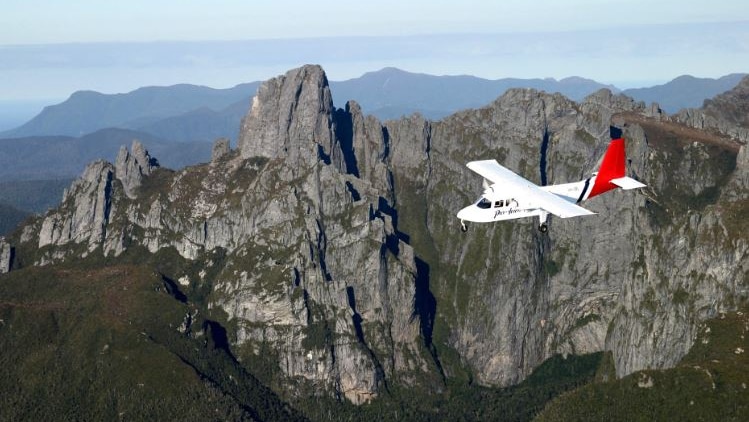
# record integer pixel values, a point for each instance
(344, 266)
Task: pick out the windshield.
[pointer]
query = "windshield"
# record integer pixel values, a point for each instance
(484, 203)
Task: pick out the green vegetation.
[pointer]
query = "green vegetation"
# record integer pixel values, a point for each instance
(457, 401)
(710, 384)
(104, 338)
(681, 156)
(100, 342)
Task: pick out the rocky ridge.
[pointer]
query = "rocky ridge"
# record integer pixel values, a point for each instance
(727, 113)
(343, 257)
(290, 220)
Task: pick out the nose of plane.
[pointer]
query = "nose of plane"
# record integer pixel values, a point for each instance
(462, 214)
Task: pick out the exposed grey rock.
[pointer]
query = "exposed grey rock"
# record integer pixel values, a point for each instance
(291, 224)
(655, 111)
(727, 113)
(6, 256)
(220, 149)
(698, 118)
(85, 212)
(342, 250)
(291, 117)
(369, 146)
(739, 183)
(132, 167)
(592, 284)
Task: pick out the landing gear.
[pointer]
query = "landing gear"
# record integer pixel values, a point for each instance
(463, 226)
(543, 216)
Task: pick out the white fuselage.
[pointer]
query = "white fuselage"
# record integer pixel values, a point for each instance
(494, 205)
(511, 196)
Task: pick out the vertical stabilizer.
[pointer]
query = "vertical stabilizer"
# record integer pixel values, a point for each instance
(612, 166)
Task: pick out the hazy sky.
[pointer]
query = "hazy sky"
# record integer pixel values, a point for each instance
(48, 49)
(54, 21)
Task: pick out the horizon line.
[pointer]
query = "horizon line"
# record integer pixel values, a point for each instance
(371, 36)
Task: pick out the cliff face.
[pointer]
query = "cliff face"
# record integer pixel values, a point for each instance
(313, 265)
(344, 266)
(634, 280)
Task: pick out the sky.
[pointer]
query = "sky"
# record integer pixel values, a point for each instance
(55, 21)
(51, 48)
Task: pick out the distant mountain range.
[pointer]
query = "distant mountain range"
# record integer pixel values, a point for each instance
(33, 196)
(10, 217)
(317, 272)
(196, 113)
(56, 157)
(685, 91)
(390, 93)
(170, 112)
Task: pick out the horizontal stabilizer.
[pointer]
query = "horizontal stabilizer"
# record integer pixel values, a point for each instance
(627, 183)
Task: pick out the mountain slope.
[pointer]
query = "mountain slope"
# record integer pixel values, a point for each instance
(202, 124)
(104, 334)
(725, 113)
(708, 384)
(87, 111)
(391, 92)
(192, 113)
(685, 91)
(326, 250)
(54, 157)
(33, 196)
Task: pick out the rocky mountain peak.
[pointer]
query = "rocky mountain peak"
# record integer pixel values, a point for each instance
(87, 213)
(616, 102)
(221, 147)
(330, 246)
(131, 167)
(732, 105)
(291, 117)
(727, 113)
(313, 263)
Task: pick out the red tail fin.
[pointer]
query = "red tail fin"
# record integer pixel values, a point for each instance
(612, 167)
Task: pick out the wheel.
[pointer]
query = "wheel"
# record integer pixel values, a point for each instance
(463, 226)
(543, 228)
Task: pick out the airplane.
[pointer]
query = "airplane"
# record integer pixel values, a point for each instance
(510, 196)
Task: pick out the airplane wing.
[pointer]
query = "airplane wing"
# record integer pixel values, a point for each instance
(508, 181)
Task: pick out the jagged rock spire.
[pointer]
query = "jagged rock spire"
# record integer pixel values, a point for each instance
(131, 167)
(220, 149)
(292, 117)
(90, 199)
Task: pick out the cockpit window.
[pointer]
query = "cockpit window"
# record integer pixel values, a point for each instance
(484, 203)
